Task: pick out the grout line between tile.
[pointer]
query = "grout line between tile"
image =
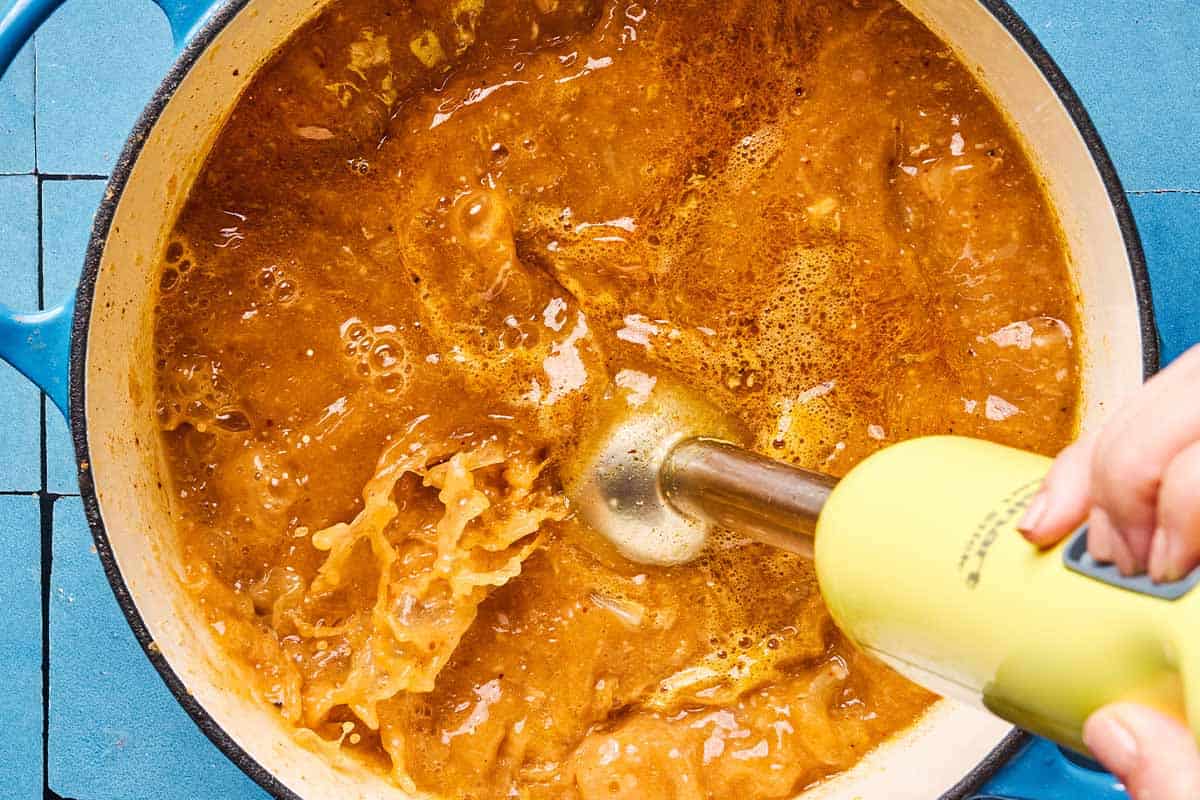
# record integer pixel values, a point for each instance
(33, 121)
(46, 507)
(64, 176)
(1145, 192)
(46, 498)
(46, 515)
(56, 176)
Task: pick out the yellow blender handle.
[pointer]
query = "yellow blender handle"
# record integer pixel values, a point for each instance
(921, 564)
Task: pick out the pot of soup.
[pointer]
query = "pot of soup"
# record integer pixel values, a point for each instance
(365, 264)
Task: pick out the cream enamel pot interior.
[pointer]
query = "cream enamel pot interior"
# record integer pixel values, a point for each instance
(947, 753)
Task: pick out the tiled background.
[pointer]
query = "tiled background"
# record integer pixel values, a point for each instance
(82, 714)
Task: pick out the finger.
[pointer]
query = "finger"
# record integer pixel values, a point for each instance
(1100, 540)
(1154, 755)
(1135, 448)
(1176, 546)
(1106, 545)
(1062, 503)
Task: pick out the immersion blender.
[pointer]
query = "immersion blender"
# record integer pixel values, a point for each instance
(917, 555)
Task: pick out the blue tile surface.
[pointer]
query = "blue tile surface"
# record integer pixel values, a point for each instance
(16, 115)
(68, 208)
(21, 648)
(98, 62)
(115, 730)
(1136, 66)
(20, 432)
(1170, 228)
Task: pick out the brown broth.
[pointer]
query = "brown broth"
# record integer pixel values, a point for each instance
(430, 234)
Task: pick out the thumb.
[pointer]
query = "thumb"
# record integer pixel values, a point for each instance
(1154, 755)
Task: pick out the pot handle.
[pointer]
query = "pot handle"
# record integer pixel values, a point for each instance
(20, 18)
(1042, 770)
(38, 344)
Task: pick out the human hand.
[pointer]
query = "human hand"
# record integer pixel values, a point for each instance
(1152, 753)
(1137, 484)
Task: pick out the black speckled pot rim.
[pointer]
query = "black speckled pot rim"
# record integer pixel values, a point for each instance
(1005, 750)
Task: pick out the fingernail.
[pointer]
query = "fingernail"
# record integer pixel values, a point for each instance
(1100, 540)
(1119, 552)
(1175, 558)
(1123, 557)
(1034, 513)
(1159, 567)
(1111, 742)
